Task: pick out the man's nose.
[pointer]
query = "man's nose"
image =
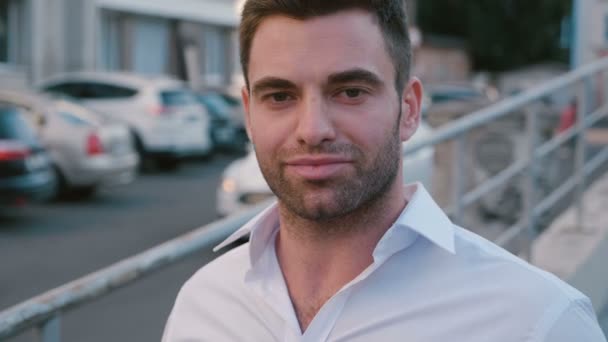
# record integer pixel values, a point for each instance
(314, 122)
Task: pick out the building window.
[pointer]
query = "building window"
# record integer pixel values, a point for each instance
(150, 45)
(135, 43)
(110, 47)
(606, 29)
(213, 55)
(3, 31)
(14, 32)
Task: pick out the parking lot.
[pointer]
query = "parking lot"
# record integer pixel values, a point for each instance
(45, 246)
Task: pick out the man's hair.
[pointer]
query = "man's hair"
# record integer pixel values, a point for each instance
(389, 14)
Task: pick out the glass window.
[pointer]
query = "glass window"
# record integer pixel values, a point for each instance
(150, 45)
(68, 88)
(90, 90)
(177, 98)
(214, 53)
(14, 127)
(216, 105)
(462, 94)
(72, 89)
(113, 32)
(75, 120)
(106, 91)
(4, 31)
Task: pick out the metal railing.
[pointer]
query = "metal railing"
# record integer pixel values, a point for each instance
(44, 312)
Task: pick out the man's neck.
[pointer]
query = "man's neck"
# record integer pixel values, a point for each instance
(318, 259)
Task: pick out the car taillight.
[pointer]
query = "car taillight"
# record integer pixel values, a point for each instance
(159, 110)
(94, 145)
(8, 153)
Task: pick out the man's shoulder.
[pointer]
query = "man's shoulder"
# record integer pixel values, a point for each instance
(515, 275)
(215, 285)
(216, 305)
(524, 292)
(226, 270)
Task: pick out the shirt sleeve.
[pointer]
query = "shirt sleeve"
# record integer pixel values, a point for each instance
(577, 322)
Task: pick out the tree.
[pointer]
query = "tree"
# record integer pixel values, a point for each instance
(501, 34)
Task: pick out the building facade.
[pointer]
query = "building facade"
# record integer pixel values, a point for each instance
(589, 31)
(193, 40)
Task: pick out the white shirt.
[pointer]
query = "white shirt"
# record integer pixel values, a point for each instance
(430, 281)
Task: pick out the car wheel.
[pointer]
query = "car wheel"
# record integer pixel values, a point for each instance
(168, 164)
(83, 192)
(145, 162)
(61, 186)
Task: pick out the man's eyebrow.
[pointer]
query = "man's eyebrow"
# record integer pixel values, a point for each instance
(355, 75)
(271, 83)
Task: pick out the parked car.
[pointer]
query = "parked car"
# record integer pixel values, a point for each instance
(227, 130)
(87, 151)
(25, 170)
(243, 185)
(166, 121)
(446, 102)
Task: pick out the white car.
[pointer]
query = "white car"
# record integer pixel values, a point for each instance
(166, 121)
(243, 184)
(87, 151)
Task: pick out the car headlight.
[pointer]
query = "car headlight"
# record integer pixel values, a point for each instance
(229, 185)
(255, 197)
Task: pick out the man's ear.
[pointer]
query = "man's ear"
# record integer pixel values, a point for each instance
(410, 109)
(246, 110)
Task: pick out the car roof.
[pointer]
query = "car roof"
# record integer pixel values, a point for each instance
(118, 77)
(451, 87)
(24, 97)
(6, 107)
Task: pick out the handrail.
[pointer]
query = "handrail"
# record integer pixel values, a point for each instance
(505, 106)
(40, 308)
(44, 310)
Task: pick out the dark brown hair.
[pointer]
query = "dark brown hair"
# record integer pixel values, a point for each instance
(389, 14)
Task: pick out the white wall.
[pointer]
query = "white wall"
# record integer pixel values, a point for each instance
(590, 30)
(216, 12)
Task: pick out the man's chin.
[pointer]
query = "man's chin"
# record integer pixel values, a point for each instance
(319, 207)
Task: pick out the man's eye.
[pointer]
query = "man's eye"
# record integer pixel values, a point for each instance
(352, 93)
(279, 97)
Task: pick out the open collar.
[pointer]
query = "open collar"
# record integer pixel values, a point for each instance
(421, 216)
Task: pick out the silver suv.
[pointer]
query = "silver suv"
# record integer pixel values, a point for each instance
(165, 118)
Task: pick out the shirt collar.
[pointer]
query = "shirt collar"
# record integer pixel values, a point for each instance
(261, 229)
(421, 215)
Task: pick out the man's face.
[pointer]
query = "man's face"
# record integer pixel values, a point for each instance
(323, 113)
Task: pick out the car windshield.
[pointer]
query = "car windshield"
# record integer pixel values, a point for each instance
(14, 127)
(455, 94)
(178, 97)
(216, 104)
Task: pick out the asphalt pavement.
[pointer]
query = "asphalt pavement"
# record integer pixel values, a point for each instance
(45, 246)
(42, 247)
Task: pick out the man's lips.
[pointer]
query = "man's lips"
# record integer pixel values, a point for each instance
(317, 167)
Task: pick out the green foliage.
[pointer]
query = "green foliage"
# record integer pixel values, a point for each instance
(501, 34)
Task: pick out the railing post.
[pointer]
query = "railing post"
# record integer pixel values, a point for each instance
(530, 184)
(579, 152)
(458, 187)
(50, 330)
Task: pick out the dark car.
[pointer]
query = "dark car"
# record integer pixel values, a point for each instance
(444, 103)
(25, 170)
(227, 127)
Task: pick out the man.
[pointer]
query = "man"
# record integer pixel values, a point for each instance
(348, 253)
